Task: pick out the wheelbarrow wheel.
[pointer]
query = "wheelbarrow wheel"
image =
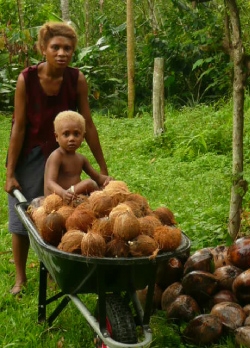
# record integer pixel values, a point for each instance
(119, 321)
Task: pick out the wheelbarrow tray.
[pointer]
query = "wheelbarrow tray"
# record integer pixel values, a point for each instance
(77, 274)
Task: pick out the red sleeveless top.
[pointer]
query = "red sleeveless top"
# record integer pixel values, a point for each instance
(42, 109)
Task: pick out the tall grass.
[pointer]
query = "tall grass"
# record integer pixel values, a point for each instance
(188, 169)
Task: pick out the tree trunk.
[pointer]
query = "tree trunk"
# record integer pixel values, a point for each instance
(158, 96)
(20, 14)
(87, 25)
(130, 58)
(65, 10)
(239, 186)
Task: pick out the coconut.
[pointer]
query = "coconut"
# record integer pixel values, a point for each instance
(242, 336)
(79, 199)
(226, 276)
(65, 211)
(53, 228)
(101, 204)
(71, 242)
(38, 215)
(231, 314)
(183, 308)
(103, 227)
(223, 296)
(241, 286)
(239, 253)
(80, 219)
(126, 226)
(157, 295)
(52, 202)
(93, 245)
(119, 209)
(201, 260)
(170, 294)
(220, 256)
(117, 248)
(140, 204)
(117, 190)
(148, 224)
(165, 215)
(142, 245)
(34, 204)
(167, 237)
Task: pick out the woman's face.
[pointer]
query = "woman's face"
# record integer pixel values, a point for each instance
(59, 51)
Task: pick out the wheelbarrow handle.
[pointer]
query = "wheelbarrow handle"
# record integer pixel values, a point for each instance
(19, 196)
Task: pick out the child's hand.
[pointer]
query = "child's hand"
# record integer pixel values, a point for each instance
(68, 196)
(108, 179)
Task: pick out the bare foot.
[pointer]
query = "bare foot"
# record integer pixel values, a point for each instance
(17, 289)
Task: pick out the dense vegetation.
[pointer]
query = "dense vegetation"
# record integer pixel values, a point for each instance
(197, 64)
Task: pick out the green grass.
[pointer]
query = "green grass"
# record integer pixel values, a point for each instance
(188, 169)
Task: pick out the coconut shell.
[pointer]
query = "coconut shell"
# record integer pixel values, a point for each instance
(142, 245)
(148, 224)
(220, 256)
(231, 314)
(165, 215)
(103, 227)
(242, 336)
(71, 242)
(101, 204)
(226, 276)
(81, 219)
(201, 260)
(241, 287)
(117, 248)
(93, 245)
(170, 294)
(239, 253)
(167, 237)
(126, 226)
(223, 296)
(52, 202)
(183, 308)
(53, 228)
(203, 330)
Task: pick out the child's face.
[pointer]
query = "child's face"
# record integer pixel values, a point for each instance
(69, 135)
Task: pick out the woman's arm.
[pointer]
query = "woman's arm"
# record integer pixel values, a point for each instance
(100, 179)
(17, 135)
(91, 135)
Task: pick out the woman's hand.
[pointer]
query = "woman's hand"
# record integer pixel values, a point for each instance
(11, 184)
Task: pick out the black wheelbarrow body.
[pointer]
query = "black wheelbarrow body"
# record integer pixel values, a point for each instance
(106, 277)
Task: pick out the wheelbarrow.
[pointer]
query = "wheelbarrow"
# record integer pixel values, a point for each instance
(119, 314)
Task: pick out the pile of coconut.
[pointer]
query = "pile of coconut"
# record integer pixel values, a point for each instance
(208, 294)
(112, 222)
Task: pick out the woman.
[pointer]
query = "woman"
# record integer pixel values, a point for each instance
(42, 91)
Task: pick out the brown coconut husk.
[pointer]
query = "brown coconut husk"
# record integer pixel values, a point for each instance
(80, 219)
(126, 226)
(142, 245)
(53, 228)
(167, 237)
(117, 190)
(148, 224)
(52, 202)
(66, 211)
(93, 245)
(34, 204)
(141, 202)
(117, 248)
(38, 215)
(119, 209)
(165, 215)
(103, 227)
(79, 199)
(71, 242)
(101, 204)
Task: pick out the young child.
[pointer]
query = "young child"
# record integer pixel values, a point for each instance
(64, 166)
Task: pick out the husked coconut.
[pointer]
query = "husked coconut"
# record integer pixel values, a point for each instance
(241, 286)
(80, 219)
(148, 224)
(142, 207)
(103, 227)
(126, 226)
(231, 314)
(201, 260)
(53, 228)
(183, 308)
(220, 256)
(71, 242)
(239, 253)
(170, 294)
(167, 237)
(226, 275)
(165, 215)
(242, 336)
(117, 248)
(119, 209)
(101, 204)
(52, 202)
(93, 245)
(142, 245)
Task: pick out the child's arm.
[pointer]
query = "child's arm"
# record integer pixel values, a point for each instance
(51, 177)
(100, 179)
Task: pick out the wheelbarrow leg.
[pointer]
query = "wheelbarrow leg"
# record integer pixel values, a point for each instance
(42, 293)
